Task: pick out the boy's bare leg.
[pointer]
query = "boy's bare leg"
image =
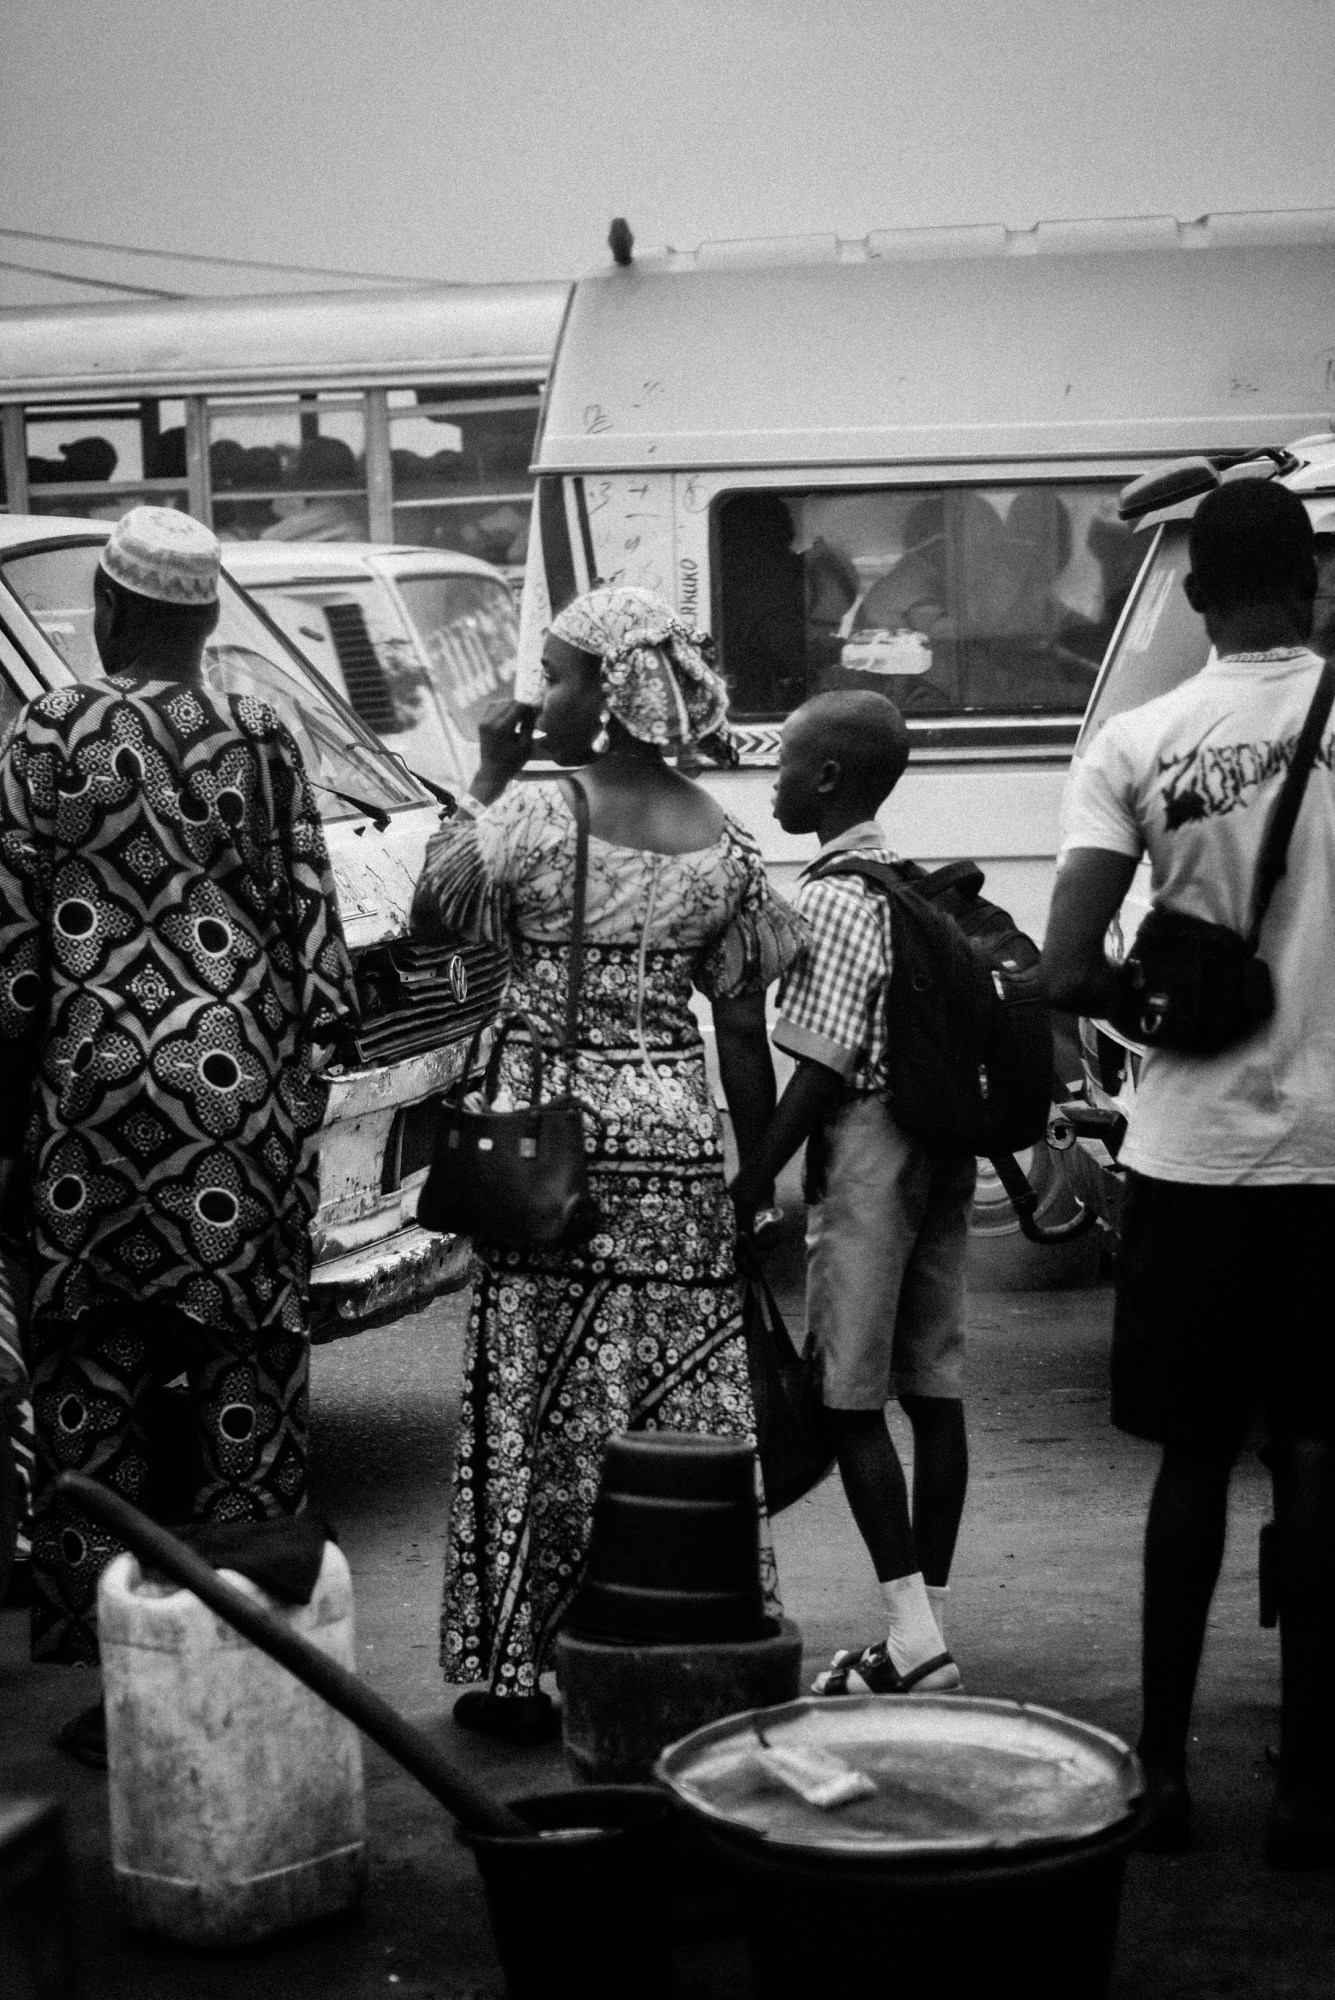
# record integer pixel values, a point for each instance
(940, 1479)
(874, 1483)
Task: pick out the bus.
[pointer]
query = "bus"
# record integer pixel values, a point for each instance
(401, 415)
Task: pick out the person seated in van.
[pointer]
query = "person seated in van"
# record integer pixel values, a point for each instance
(1223, 1274)
(889, 1231)
(763, 631)
(951, 584)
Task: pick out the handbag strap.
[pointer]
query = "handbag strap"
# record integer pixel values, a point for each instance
(1275, 847)
(575, 979)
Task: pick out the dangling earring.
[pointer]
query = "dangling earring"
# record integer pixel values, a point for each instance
(602, 740)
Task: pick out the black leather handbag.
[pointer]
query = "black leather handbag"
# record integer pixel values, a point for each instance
(519, 1178)
(1199, 987)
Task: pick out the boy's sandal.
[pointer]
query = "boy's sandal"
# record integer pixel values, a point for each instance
(872, 1671)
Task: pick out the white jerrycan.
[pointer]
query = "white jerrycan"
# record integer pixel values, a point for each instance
(237, 1807)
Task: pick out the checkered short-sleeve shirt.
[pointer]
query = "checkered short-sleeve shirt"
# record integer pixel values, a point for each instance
(830, 1004)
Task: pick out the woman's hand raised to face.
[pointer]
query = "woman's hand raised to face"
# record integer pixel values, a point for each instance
(505, 738)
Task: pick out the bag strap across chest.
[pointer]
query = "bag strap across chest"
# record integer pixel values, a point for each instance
(1275, 848)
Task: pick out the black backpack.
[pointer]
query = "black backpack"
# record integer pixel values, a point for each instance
(968, 1032)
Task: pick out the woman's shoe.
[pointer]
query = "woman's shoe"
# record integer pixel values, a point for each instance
(84, 1737)
(511, 1718)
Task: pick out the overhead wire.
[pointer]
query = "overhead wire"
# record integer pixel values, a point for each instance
(102, 284)
(204, 257)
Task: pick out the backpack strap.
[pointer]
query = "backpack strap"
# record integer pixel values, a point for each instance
(966, 877)
(886, 873)
(1275, 848)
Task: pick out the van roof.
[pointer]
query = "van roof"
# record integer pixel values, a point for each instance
(1103, 338)
(364, 339)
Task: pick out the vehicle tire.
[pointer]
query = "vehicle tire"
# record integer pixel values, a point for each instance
(1002, 1258)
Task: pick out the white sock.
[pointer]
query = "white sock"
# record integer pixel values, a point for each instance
(937, 1593)
(913, 1636)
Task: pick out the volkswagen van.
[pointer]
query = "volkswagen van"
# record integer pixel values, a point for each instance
(420, 1003)
(894, 462)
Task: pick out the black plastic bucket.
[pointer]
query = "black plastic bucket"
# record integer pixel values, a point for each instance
(990, 1855)
(1045, 1927)
(584, 1907)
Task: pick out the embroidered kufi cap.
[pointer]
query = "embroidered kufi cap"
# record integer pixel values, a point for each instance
(160, 553)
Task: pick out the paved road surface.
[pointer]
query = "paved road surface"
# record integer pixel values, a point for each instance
(1044, 1607)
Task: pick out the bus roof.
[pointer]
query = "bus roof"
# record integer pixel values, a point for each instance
(1072, 338)
(361, 339)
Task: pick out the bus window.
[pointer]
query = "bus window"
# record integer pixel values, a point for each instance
(288, 468)
(460, 468)
(952, 600)
(102, 459)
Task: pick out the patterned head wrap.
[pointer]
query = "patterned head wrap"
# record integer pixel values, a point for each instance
(658, 676)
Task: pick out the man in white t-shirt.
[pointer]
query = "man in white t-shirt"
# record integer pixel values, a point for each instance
(1223, 1271)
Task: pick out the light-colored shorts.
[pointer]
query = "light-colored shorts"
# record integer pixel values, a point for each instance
(886, 1250)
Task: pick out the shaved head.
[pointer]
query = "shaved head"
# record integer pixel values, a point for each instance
(863, 733)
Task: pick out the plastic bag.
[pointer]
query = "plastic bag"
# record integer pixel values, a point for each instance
(793, 1435)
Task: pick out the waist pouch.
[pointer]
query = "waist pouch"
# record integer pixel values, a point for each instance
(1192, 986)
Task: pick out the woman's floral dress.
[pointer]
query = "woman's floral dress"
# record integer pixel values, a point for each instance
(639, 1328)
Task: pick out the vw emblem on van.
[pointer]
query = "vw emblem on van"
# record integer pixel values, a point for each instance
(458, 978)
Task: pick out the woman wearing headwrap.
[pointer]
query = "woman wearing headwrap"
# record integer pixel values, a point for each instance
(639, 1327)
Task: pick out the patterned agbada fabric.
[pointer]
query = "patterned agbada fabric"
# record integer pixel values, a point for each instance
(170, 952)
(641, 1327)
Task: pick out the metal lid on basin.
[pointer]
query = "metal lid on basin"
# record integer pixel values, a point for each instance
(955, 1776)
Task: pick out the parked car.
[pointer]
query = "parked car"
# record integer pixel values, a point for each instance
(418, 641)
(1159, 643)
(420, 1002)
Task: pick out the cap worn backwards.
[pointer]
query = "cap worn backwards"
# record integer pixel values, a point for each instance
(160, 553)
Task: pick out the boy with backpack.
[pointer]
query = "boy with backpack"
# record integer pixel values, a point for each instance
(889, 1228)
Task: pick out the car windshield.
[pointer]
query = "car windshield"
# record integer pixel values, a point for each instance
(1163, 641)
(348, 767)
(469, 630)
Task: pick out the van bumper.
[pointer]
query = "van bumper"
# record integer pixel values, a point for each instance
(386, 1280)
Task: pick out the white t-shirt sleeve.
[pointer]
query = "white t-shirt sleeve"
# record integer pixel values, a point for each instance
(1101, 804)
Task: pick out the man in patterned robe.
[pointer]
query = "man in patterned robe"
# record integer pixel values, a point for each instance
(173, 977)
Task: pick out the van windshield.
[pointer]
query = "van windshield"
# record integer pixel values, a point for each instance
(1163, 641)
(951, 600)
(469, 630)
(244, 656)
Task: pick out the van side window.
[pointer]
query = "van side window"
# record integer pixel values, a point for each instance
(952, 600)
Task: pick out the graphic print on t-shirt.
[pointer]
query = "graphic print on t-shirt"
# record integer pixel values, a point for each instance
(1213, 778)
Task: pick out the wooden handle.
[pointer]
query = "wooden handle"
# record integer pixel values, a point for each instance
(475, 1808)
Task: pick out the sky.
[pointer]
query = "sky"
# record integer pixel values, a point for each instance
(433, 140)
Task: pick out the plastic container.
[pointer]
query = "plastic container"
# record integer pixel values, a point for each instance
(583, 1907)
(674, 1548)
(237, 1806)
(989, 1858)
